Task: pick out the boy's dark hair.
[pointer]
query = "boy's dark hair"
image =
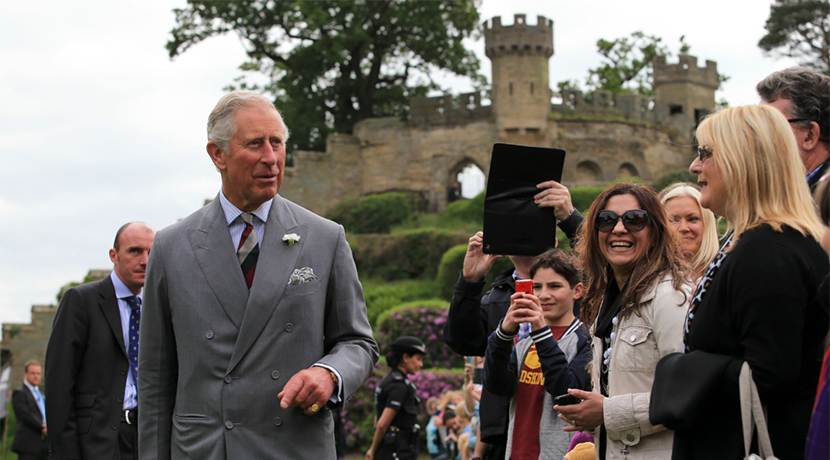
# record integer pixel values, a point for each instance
(449, 414)
(561, 262)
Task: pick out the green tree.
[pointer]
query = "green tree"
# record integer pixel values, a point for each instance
(332, 63)
(799, 29)
(626, 66)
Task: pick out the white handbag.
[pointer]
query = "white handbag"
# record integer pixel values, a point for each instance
(752, 416)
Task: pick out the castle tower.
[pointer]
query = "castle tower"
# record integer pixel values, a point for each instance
(521, 87)
(684, 93)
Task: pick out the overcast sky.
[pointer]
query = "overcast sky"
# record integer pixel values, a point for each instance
(98, 127)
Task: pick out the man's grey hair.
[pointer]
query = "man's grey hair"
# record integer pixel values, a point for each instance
(221, 127)
(809, 92)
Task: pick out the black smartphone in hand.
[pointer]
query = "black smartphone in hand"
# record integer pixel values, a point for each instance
(477, 376)
(566, 400)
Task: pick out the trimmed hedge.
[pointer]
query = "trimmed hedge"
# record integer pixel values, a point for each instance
(583, 197)
(376, 213)
(424, 319)
(450, 268)
(411, 254)
(671, 178)
(383, 295)
(359, 414)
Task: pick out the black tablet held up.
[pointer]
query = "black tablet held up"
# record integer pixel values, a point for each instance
(513, 224)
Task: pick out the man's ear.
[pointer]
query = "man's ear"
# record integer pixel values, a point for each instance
(112, 255)
(216, 155)
(811, 138)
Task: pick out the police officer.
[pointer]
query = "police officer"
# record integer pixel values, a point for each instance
(397, 402)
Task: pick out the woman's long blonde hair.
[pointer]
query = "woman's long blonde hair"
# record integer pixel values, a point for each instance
(709, 239)
(763, 177)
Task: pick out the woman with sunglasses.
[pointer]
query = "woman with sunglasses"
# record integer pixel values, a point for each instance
(637, 290)
(696, 225)
(760, 300)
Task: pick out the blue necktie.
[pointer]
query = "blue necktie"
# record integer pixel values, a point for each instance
(135, 319)
(40, 403)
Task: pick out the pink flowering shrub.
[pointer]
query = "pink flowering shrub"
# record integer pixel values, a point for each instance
(359, 414)
(424, 319)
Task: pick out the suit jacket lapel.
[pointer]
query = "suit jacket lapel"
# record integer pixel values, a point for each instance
(211, 244)
(274, 267)
(109, 307)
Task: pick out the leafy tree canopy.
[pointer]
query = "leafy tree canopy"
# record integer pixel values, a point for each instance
(800, 29)
(627, 65)
(332, 63)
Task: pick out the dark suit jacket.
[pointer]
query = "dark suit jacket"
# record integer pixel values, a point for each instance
(86, 371)
(28, 434)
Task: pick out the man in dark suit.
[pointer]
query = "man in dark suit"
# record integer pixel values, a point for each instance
(92, 356)
(254, 322)
(27, 402)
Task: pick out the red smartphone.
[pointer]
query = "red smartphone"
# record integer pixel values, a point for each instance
(524, 286)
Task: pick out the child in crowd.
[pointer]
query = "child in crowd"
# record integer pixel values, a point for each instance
(543, 365)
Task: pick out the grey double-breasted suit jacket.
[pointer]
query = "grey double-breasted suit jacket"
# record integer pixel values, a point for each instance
(213, 357)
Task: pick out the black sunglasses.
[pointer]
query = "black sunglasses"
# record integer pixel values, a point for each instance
(703, 152)
(634, 220)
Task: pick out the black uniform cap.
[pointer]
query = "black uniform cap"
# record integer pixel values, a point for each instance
(408, 344)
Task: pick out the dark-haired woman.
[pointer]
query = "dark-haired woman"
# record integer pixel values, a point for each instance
(398, 403)
(638, 286)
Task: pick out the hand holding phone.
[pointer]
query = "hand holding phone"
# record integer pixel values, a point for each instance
(566, 400)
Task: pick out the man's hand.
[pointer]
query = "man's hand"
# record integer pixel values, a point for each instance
(43, 428)
(306, 388)
(476, 262)
(555, 195)
(524, 308)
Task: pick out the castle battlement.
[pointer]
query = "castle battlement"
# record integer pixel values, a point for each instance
(685, 71)
(626, 105)
(447, 110)
(518, 38)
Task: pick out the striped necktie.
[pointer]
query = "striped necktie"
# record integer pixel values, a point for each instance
(248, 250)
(135, 320)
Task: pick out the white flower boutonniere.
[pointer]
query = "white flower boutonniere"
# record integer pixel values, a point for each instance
(291, 238)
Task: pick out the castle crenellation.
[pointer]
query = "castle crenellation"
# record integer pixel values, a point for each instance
(606, 139)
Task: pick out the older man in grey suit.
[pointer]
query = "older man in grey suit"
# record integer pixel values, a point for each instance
(254, 319)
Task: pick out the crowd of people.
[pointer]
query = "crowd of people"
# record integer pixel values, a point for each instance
(630, 347)
(633, 346)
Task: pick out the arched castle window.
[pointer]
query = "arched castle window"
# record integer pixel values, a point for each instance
(472, 180)
(627, 170)
(588, 171)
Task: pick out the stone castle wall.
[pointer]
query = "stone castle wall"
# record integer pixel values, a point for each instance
(605, 139)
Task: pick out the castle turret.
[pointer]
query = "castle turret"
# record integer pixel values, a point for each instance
(521, 90)
(684, 93)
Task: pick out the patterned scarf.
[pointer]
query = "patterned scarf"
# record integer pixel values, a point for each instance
(703, 286)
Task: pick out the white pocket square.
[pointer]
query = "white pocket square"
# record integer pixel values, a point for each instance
(302, 275)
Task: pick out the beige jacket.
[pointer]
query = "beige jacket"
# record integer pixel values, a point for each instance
(639, 343)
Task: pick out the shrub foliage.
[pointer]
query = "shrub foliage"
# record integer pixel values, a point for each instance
(407, 255)
(376, 213)
(423, 319)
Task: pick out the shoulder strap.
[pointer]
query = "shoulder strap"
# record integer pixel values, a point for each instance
(752, 415)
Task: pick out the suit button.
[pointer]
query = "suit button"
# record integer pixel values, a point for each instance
(289, 327)
(228, 379)
(209, 335)
(123, 372)
(114, 427)
(277, 421)
(275, 375)
(229, 425)
(120, 400)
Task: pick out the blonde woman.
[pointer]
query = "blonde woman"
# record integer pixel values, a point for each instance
(696, 225)
(760, 300)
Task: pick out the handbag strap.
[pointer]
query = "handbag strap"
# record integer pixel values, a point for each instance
(752, 414)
